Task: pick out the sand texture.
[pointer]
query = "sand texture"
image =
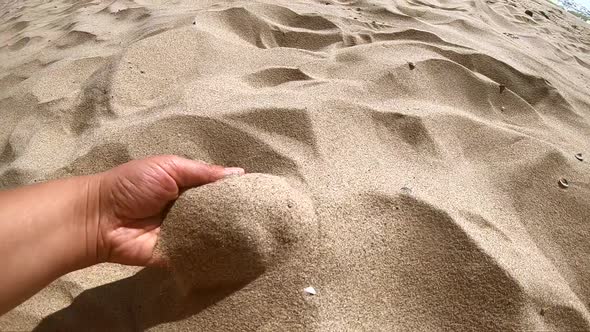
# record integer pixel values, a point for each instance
(419, 143)
(232, 231)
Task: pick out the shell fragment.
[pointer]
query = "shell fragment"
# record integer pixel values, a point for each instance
(563, 183)
(310, 290)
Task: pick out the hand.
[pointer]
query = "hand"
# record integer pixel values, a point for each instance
(131, 201)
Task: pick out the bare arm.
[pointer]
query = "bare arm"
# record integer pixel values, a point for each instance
(42, 236)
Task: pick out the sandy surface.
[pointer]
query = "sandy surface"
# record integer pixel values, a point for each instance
(419, 143)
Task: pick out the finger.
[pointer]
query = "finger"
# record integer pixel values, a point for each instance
(190, 173)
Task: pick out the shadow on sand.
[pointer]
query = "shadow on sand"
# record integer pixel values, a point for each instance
(147, 299)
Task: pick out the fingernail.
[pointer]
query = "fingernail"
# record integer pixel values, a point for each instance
(233, 171)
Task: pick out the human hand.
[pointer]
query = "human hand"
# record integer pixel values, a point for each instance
(130, 203)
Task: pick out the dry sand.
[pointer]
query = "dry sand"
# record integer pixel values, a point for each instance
(232, 231)
(420, 141)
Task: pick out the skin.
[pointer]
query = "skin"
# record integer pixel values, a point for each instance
(53, 228)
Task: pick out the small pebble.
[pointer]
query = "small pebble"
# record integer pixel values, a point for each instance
(310, 290)
(529, 13)
(411, 65)
(563, 183)
(579, 157)
(406, 190)
(502, 108)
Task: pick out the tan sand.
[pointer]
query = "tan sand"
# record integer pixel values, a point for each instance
(230, 232)
(420, 142)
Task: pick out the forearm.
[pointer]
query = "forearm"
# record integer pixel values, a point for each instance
(42, 236)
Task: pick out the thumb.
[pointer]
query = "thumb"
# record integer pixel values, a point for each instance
(191, 173)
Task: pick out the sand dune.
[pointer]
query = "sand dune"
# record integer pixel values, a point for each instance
(420, 142)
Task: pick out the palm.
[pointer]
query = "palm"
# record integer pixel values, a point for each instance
(134, 198)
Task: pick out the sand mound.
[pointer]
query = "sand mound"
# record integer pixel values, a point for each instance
(231, 231)
(420, 144)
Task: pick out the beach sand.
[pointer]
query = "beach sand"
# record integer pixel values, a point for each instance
(408, 158)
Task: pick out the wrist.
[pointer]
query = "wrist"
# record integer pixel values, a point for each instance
(87, 220)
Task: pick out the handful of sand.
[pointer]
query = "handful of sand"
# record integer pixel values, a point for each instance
(231, 231)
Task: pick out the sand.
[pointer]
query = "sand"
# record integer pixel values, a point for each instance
(422, 144)
(230, 232)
